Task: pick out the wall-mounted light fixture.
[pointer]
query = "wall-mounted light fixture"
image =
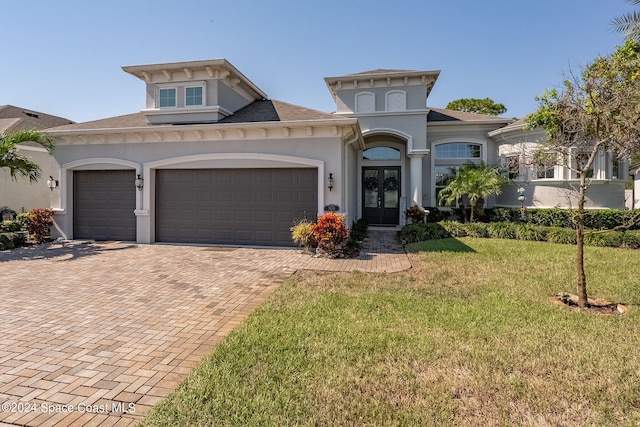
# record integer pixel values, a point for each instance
(139, 183)
(330, 181)
(52, 183)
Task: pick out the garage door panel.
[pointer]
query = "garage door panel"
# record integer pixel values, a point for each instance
(245, 206)
(104, 204)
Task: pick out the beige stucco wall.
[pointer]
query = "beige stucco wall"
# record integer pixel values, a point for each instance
(21, 195)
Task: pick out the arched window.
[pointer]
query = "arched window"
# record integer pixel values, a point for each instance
(365, 102)
(381, 153)
(396, 100)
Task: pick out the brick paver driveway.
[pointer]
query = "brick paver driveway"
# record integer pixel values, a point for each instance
(91, 332)
(95, 334)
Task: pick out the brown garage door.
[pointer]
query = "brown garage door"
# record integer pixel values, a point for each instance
(233, 206)
(104, 204)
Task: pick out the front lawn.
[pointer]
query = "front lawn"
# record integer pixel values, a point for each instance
(467, 337)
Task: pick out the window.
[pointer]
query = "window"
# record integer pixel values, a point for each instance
(167, 97)
(193, 96)
(444, 175)
(381, 153)
(545, 165)
(512, 165)
(365, 103)
(581, 161)
(396, 101)
(458, 150)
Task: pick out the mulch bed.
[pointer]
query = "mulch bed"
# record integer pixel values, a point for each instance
(594, 306)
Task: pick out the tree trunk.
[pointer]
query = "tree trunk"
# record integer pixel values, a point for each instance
(582, 279)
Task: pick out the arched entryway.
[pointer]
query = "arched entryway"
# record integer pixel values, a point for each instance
(382, 179)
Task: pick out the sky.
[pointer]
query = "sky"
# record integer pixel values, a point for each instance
(64, 57)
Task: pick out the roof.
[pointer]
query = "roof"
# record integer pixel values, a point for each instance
(212, 68)
(444, 115)
(257, 111)
(14, 118)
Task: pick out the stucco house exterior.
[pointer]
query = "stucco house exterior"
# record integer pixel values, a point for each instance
(21, 195)
(211, 159)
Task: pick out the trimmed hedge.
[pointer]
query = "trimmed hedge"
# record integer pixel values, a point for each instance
(595, 219)
(507, 230)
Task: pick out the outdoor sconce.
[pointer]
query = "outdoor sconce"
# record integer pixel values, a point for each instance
(521, 198)
(52, 183)
(139, 182)
(330, 182)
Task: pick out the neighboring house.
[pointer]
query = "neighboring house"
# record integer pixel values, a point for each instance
(547, 180)
(216, 161)
(20, 194)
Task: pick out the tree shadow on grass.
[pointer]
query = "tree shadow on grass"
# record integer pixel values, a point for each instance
(439, 245)
(62, 251)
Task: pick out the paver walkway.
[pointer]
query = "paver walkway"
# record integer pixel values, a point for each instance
(97, 333)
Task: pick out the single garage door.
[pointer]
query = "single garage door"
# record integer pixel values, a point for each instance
(103, 205)
(233, 206)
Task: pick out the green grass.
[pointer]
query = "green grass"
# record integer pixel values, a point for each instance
(467, 337)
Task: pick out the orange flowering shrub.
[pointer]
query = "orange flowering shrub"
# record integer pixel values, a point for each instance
(331, 234)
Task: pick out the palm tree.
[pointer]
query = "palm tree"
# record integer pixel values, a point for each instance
(476, 182)
(20, 165)
(628, 24)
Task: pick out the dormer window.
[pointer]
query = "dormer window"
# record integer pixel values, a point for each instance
(167, 97)
(193, 96)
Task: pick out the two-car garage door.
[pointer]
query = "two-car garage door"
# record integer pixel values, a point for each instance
(218, 206)
(233, 206)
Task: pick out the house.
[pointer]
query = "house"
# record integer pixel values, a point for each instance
(212, 159)
(21, 195)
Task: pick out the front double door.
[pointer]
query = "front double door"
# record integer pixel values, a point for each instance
(381, 195)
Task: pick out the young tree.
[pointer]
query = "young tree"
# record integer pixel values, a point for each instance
(18, 164)
(476, 182)
(597, 111)
(628, 24)
(480, 106)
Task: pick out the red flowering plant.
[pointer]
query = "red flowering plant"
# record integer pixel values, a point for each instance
(331, 234)
(39, 224)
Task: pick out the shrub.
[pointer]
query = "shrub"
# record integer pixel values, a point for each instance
(23, 220)
(561, 235)
(39, 225)
(415, 213)
(455, 229)
(420, 232)
(358, 231)
(530, 232)
(10, 226)
(331, 234)
(302, 234)
(606, 238)
(502, 230)
(436, 215)
(6, 241)
(477, 229)
(631, 239)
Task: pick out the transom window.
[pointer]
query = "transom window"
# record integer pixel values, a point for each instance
(458, 150)
(193, 95)
(381, 153)
(167, 97)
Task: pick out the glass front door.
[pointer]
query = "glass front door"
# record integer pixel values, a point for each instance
(381, 195)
